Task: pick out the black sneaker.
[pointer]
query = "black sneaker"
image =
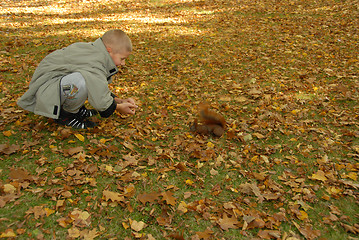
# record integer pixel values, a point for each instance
(73, 120)
(86, 113)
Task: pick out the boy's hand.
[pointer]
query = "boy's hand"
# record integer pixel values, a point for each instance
(126, 108)
(128, 100)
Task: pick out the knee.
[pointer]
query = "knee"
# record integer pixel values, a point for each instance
(80, 82)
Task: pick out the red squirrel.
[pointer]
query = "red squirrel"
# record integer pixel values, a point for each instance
(211, 123)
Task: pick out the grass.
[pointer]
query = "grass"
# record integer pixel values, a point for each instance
(185, 53)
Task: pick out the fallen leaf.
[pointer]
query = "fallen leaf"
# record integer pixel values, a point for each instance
(113, 196)
(148, 197)
(91, 234)
(269, 234)
(9, 188)
(9, 149)
(226, 223)
(320, 175)
(79, 137)
(207, 234)
(168, 197)
(7, 133)
(307, 231)
(182, 207)
(9, 233)
(137, 226)
(74, 232)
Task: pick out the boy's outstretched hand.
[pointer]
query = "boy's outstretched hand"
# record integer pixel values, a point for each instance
(126, 106)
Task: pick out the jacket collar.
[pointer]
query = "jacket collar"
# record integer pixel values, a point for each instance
(109, 64)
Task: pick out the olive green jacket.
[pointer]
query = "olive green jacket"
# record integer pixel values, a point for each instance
(90, 59)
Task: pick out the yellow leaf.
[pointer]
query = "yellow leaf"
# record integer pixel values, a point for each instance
(7, 133)
(8, 233)
(352, 175)
(49, 211)
(8, 188)
(125, 225)
(303, 215)
(80, 137)
(213, 172)
(182, 207)
(189, 182)
(109, 168)
(334, 190)
(210, 145)
(74, 232)
(58, 170)
(320, 175)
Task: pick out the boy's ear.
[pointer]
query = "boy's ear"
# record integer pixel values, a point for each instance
(109, 50)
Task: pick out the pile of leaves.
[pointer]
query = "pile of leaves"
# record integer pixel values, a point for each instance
(283, 73)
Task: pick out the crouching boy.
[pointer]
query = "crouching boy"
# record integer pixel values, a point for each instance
(66, 78)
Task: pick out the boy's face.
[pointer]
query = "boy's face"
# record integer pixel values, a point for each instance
(119, 58)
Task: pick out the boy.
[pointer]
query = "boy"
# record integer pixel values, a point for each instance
(67, 77)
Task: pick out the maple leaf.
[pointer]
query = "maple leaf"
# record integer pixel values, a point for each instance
(269, 234)
(226, 223)
(73, 151)
(307, 231)
(148, 197)
(249, 188)
(320, 175)
(207, 234)
(168, 197)
(113, 196)
(90, 234)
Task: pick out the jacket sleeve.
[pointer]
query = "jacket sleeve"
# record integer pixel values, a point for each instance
(108, 112)
(114, 95)
(99, 95)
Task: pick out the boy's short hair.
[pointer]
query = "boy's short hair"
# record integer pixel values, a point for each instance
(117, 40)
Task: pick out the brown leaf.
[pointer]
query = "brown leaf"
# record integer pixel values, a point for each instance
(148, 197)
(207, 234)
(351, 229)
(176, 236)
(74, 232)
(307, 231)
(9, 149)
(113, 196)
(65, 133)
(320, 175)
(19, 175)
(137, 226)
(73, 151)
(269, 234)
(90, 234)
(226, 223)
(168, 197)
(80, 218)
(251, 188)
